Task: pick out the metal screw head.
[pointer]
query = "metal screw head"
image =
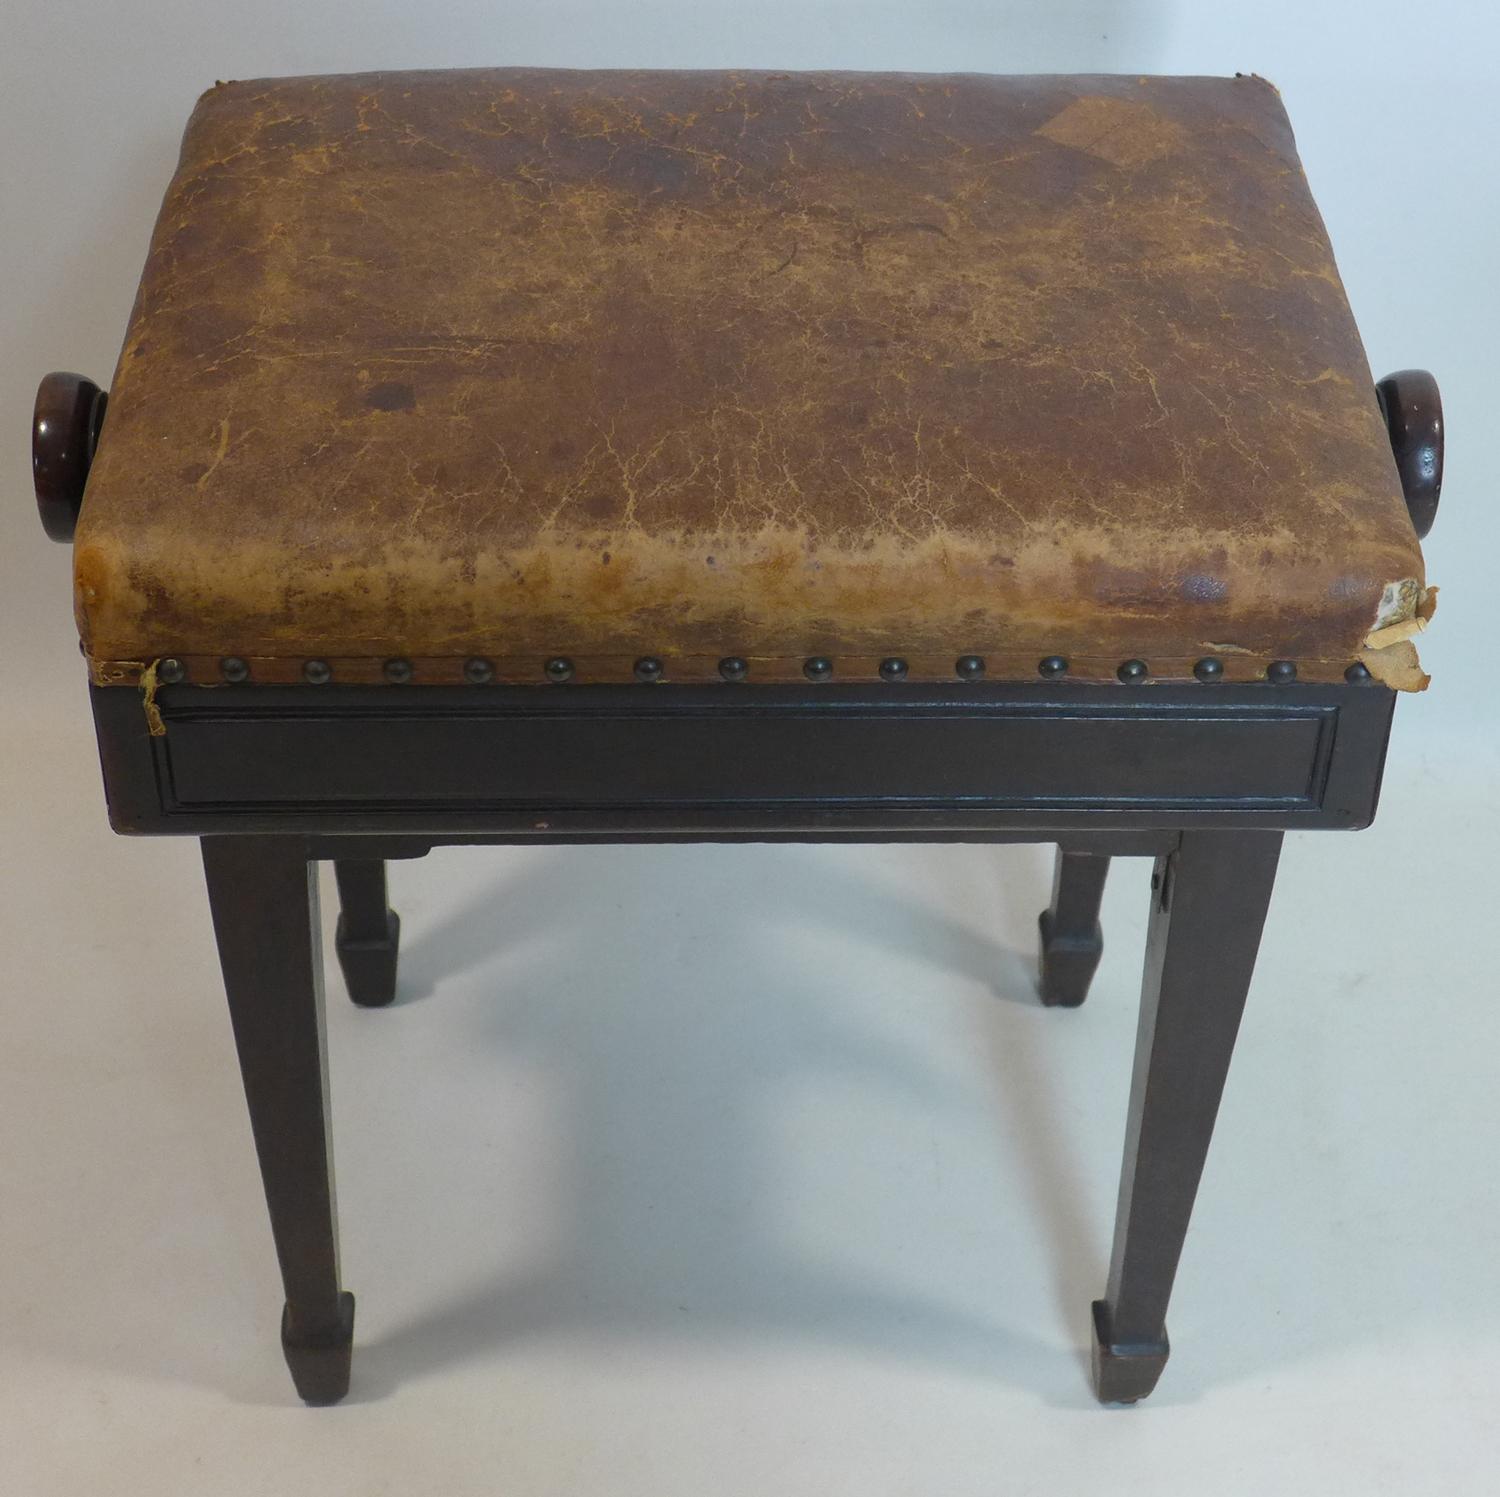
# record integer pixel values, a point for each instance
(733, 668)
(559, 668)
(1210, 668)
(478, 671)
(397, 672)
(1053, 665)
(1133, 672)
(1357, 674)
(817, 668)
(648, 668)
(1281, 672)
(232, 668)
(969, 667)
(317, 672)
(170, 671)
(893, 669)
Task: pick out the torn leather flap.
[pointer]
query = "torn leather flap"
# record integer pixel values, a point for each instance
(1389, 653)
(154, 724)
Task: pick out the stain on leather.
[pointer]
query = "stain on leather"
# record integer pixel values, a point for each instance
(493, 362)
(392, 395)
(1121, 131)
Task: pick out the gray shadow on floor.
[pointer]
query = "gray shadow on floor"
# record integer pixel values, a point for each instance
(667, 1233)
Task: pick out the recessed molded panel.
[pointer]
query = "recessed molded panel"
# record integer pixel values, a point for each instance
(984, 755)
(983, 761)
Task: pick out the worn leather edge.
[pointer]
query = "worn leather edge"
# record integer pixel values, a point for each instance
(527, 670)
(1387, 653)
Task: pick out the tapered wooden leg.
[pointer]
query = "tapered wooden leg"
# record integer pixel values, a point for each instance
(1209, 904)
(1071, 940)
(368, 932)
(264, 897)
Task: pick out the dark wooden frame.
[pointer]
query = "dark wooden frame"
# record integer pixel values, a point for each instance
(605, 763)
(1203, 778)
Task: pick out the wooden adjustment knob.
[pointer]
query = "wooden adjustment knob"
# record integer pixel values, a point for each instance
(64, 431)
(1413, 412)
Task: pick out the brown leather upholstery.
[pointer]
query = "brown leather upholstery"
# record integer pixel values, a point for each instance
(526, 363)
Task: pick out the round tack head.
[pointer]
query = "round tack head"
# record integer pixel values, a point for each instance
(397, 671)
(317, 672)
(734, 668)
(648, 668)
(478, 671)
(1281, 672)
(1357, 674)
(1133, 672)
(559, 668)
(170, 671)
(232, 668)
(969, 667)
(1210, 668)
(817, 668)
(1052, 666)
(893, 668)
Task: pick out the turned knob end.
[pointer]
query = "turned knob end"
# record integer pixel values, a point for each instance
(64, 432)
(1413, 412)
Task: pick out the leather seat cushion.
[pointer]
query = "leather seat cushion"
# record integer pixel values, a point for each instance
(528, 363)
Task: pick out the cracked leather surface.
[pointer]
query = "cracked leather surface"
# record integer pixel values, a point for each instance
(521, 363)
